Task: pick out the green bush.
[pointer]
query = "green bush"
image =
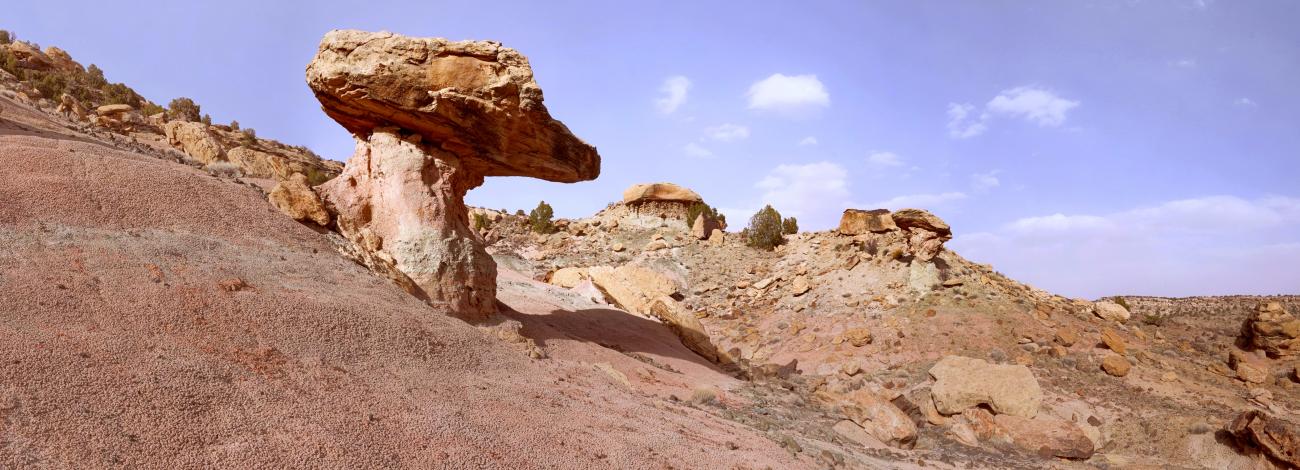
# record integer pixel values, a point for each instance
(790, 226)
(206, 120)
(95, 77)
(249, 137)
(698, 208)
(6, 37)
(540, 218)
(481, 221)
(150, 109)
(764, 231)
(51, 85)
(184, 109)
(118, 93)
(8, 62)
(234, 125)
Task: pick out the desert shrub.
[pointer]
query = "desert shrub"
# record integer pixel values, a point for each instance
(8, 62)
(250, 135)
(698, 208)
(705, 395)
(6, 37)
(234, 125)
(223, 169)
(520, 213)
(1123, 303)
(183, 109)
(1152, 319)
(790, 226)
(150, 109)
(118, 93)
(51, 85)
(481, 221)
(540, 218)
(95, 77)
(206, 120)
(764, 231)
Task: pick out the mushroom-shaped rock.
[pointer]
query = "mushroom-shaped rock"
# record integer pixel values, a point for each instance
(922, 219)
(858, 222)
(659, 192)
(432, 118)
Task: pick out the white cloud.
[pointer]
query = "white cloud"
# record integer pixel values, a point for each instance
(885, 159)
(1183, 63)
(727, 133)
(1035, 104)
(961, 125)
(695, 150)
(1200, 246)
(794, 94)
(810, 140)
(981, 182)
(816, 193)
(1031, 103)
(920, 201)
(673, 94)
(1247, 102)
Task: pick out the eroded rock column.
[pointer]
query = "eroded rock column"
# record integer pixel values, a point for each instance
(405, 202)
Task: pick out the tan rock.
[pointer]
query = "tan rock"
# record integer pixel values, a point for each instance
(1113, 341)
(113, 110)
(631, 287)
(659, 192)
(686, 326)
(1116, 365)
(1273, 329)
(431, 119)
(568, 277)
(704, 226)
(194, 139)
(296, 199)
(922, 219)
(1168, 376)
(1067, 336)
(858, 337)
(1047, 436)
(1279, 439)
(962, 382)
(858, 222)
(854, 433)
(717, 237)
(1107, 310)
(1248, 368)
(800, 286)
(617, 247)
(880, 418)
(61, 60)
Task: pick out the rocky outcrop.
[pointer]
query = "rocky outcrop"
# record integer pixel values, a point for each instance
(704, 226)
(880, 418)
(432, 118)
(1278, 439)
(194, 139)
(61, 60)
(646, 192)
(859, 222)
(1272, 329)
(28, 56)
(297, 200)
(963, 382)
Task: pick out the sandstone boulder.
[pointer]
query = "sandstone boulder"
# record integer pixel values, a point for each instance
(704, 226)
(632, 288)
(1272, 329)
(858, 222)
(686, 326)
(431, 119)
(880, 418)
(1278, 439)
(196, 140)
(1107, 310)
(568, 278)
(113, 110)
(1044, 435)
(29, 57)
(659, 192)
(922, 219)
(61, 60)
(1116, 365)
(295, 198)
(963, 382)
(1113, 340)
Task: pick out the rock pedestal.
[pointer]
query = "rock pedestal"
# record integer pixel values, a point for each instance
(432, 118)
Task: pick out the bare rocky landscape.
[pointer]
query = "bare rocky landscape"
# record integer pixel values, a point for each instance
(178, 294)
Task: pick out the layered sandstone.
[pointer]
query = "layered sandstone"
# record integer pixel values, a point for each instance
(432, 118)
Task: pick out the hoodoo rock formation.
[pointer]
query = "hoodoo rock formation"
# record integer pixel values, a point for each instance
(432, 118)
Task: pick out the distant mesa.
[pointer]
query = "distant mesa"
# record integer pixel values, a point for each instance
(665, 192)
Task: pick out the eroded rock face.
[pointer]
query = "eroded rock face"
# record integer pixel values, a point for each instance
(1273, 330)
(858, 222)
(432, 118)
(295, 198)
(1275, 437)
(194, 139)
(647, 192)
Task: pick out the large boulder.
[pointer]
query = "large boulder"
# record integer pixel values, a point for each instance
(61, 60)
(922, 219)
(1275, 437)
(295, 198)
(686, 326)
(704, 226)
(1107, 310)
(647, 192)
(859, 222)
(880, 418)
(632, 288)
(28, 56)
(963, 382)
(194, 139)
(1272, 329)
(431, 119)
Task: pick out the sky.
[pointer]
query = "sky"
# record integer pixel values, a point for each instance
(1087, 148)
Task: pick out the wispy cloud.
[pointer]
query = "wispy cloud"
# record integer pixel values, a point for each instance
(922, 201)
(672, 94)
(962, 124)
(816, 193)
(810, 140)
(727, 133)
(882, 159)
(982, 182)
(1245, 102)
(696, 150)
(1034, 104)
(797, 94)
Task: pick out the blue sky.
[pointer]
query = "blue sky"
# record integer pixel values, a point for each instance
(1088, 148)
